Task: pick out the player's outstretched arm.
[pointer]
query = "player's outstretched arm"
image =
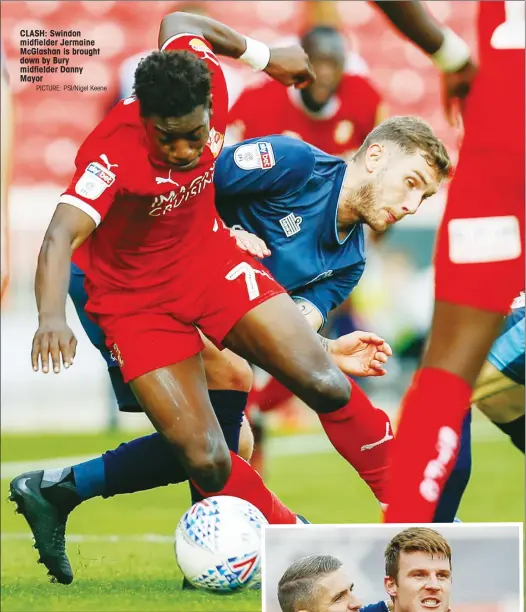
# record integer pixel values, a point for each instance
(288, 65)
(67, 230)
(447, 50)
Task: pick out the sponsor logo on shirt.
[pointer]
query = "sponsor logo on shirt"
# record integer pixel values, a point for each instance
(166, 202)
(255, 155)
(291, 224)
(94, 181)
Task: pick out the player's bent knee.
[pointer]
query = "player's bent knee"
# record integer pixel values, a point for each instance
(209, 465)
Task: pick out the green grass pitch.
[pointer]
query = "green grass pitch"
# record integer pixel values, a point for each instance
(128, 572)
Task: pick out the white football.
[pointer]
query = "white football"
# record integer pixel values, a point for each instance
(218, 544)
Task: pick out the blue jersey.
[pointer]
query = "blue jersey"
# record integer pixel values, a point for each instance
(507, 352)
(381, 606)
(286, 192)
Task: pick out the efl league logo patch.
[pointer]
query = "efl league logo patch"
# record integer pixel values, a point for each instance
(94, 181)
(255, 155)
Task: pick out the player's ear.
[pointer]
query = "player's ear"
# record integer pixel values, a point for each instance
(390, 586)
(373, 155)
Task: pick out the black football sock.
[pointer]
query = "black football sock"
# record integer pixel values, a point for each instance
(515, 430)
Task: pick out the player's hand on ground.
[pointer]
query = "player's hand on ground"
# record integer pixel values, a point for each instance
(361, 354)
(455, 88)
(250, 243)
(55, 338)
(290, 66)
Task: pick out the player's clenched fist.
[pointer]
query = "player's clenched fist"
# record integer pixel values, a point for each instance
(56, 338)
(290, 66)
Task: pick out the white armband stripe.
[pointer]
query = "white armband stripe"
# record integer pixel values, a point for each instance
(81, 205)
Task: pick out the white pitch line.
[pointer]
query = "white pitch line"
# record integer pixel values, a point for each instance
(151, 538)
(287, 446)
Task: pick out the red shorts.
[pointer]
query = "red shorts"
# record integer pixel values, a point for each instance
(480, 255)
(160, 335)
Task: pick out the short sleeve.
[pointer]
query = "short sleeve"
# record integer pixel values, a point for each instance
(332, 291)
(95, 182)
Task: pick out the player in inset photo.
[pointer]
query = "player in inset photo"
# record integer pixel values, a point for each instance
(417, 577)
(418, 571)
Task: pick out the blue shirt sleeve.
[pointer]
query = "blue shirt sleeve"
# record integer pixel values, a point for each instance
(269, 166)
(330, 292)
(381, 606)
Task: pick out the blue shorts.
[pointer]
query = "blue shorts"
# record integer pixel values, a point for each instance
(507, 352)
(125, 398)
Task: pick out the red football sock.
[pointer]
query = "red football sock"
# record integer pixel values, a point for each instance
(363, 436)
(426, 444)
(244, 482)
(269, 396)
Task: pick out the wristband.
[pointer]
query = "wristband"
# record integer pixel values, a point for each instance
(257, 54)
(453, 54)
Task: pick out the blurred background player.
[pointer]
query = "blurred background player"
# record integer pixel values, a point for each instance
(335, 114)
(7, 144)
(481, 237)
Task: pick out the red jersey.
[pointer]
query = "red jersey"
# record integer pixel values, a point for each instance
(155, 226)
(338, 129)
(494, 115)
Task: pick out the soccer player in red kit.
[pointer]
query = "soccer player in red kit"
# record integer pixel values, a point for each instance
(479, 255)
(335, 113)
(140, 216)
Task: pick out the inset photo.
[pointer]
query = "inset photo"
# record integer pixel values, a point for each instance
(475, 567)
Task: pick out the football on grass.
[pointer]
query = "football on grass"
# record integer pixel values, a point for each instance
(218, 544)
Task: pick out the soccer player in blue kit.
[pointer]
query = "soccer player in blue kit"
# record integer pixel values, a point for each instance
(308, 208)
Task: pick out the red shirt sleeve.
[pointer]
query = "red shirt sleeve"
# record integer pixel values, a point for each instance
(370, 100)
(200, 47)
(95, 182)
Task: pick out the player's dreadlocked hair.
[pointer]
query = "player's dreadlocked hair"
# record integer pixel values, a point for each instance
(172, 83)
(411, 134)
